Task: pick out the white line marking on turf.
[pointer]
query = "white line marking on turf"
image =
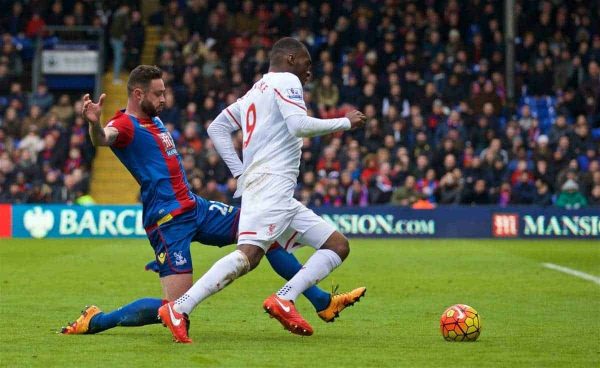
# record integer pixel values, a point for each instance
(572, 272)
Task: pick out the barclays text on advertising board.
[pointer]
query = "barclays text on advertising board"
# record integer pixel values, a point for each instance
(104, 222)
(77, 221)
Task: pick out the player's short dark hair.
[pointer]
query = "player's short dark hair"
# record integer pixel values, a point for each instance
(285, 47)
(141, 76)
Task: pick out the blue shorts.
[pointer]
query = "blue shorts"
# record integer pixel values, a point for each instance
(210, 223)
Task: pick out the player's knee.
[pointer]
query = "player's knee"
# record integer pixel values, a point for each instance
(339, 244)
(254, 262)
(343, 247)
(253, 253)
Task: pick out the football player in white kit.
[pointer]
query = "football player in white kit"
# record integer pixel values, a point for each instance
(273, 118)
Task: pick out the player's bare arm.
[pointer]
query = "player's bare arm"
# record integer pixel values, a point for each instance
(91, 112)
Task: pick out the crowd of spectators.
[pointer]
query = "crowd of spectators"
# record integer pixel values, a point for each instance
(45, 151)
(428, 74)
(430, 77)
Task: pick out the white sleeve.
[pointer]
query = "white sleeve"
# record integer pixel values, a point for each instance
(305, 126)
(220, 133)
(289, 95)
(233, 116)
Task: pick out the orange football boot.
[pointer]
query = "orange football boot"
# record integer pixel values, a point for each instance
(339, 302)
(285, 312)
(82, 324)
(178, 323)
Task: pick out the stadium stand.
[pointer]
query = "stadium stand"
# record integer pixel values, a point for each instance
(429, 75)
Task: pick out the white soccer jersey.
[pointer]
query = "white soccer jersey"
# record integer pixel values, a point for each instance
(268, 145)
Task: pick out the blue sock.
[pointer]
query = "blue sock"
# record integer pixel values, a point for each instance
(138, 313)
(286, 265)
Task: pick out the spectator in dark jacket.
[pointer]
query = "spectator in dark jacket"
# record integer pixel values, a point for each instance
(214, 169)
(543, 196)
(523, 191)
(477, 195)
(134, 40)
(540, 82)
(42, 97)
(595, 196)
(450, 190)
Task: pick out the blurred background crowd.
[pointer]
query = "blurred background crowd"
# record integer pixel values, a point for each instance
(428, 74)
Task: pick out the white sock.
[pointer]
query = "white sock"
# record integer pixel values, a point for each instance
(222, 273)
(318, 266)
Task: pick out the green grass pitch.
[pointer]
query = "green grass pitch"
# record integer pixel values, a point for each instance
(532, 316)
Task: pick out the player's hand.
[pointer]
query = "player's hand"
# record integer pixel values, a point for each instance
(91, 111)
(357, 119)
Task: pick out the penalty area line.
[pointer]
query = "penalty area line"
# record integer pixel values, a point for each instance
(572, 272)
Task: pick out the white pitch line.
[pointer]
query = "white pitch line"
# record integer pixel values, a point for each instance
(572, 272)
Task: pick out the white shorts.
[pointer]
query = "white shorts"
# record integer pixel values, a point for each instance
(316, 236)
(270, 214)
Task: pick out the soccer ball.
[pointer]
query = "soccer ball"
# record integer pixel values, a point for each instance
(460, 323)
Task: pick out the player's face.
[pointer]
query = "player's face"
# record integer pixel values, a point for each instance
(153, 99)
(302, 66)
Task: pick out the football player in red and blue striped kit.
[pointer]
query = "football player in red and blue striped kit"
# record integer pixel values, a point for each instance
(173, 216)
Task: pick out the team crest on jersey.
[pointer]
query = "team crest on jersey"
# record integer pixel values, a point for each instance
(271, 229)
(294, 93)
(168, 144)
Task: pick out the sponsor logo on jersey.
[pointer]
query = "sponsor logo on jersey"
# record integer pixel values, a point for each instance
(168, 144)
(271, 229)
(294, 94)
(161, 257)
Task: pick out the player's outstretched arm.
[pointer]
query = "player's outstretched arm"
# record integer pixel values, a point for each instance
(91, 113)
(220, 133)
(290, 101)
(304, 126)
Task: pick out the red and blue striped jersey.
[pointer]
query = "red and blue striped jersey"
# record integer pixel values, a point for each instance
(148, 151)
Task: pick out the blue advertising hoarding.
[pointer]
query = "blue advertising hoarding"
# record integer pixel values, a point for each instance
(59, 221)
(465, 222)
